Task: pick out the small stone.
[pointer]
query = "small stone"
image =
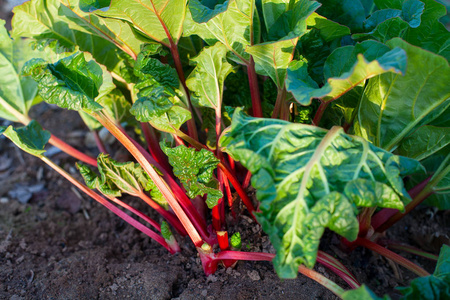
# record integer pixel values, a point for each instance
(114, 287)
(4, 200)
(254, 275)
(204, 293)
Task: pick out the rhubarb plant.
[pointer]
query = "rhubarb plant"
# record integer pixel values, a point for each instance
(336, 112)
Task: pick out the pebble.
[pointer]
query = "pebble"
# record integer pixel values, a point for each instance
(254, 275)
(4, 200)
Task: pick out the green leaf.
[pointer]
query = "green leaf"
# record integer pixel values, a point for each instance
(16, 91)
(385, 31)
(52, 23)
(207, 79)
(431, 34)
(291, 23)
(162, 108)
(195, 171)
(231, 23)
(392, 108)
(273, 58)
(344, 69)
(235, 241)
(71, 83)
(347, 12)
(94, 181)
(362, 293)
(433, 287)
(308, 179)
(165, 231)
(31, 138)
(329, 30)
(424, 142)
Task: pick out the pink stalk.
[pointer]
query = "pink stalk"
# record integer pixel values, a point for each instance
(72, 151)
(254, 89)
(338, 268)
(407, 248)
(319, 113)
(147, 231)
(247, 179)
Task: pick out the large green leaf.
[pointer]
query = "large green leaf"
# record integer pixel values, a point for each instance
(51, 23)
(208, 77)
(350, 13)
(393, 106)
(160, 20)
(16, 91)
(287, 19)
(31, 138)
(308, 179)
(344, 69)
(232, 23)
(433, 287)
(329, 30)
(195, 171)
(71, 83)
(273, 58)
(425, 141)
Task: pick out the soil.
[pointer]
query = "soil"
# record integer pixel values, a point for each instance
(58, 244)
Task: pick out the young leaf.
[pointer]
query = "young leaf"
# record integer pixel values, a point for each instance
(195, 171)
(160, 20)
(234, 23)
(273, 58)
(94, 181)
(207, 79)
(71, 83)
(392, 108)
(31, 138)
(344, 69)
(433, 287)
(308, 178)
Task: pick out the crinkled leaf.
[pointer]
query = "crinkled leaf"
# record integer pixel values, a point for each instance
(362, 293)
(15, 90)
(94, 181)
(329, 30)
(273, 58)
(162, 108)
(207, 79)
(393, 106)
(150, 17)
(195, 169)
(128, 177)
(344, 69)
(52, 23)
(303, 172)
(433, 287)
(230, 23)
(31, 138)
(350, 13)
(288, 19)
(71, 83)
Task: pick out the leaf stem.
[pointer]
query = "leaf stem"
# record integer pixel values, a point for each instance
(254, 89)
(319, 113)
(407, 248)
(72, 151)
(329, 284)
(159, 182)
(279, 110)
(147, 231)
(392, 256)
(153, 146)
(100, 145)
(338, 268)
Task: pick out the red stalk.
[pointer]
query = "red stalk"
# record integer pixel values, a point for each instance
(100, 145)
(147, 231)
(169, 216)
(159, 182)
(392, 256)
(364, 221)
(254, 89)
(338, 268)
(136, 212)
(229, 196)
(222, 238)
(247, 179)
(319, 113)
(72, 151)
(153, 146)
(333, 287)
